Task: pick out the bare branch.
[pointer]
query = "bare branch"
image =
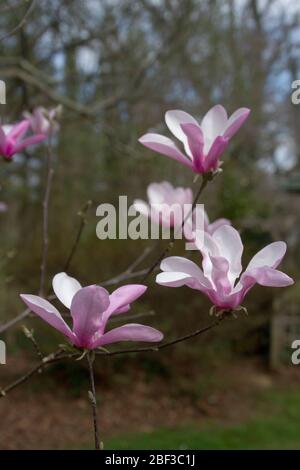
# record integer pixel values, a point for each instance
(22, 23)
(82, 214)
(61, 355)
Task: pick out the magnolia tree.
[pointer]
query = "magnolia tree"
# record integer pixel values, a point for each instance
(220, 277)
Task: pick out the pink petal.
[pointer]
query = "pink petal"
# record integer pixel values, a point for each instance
(235, 121)
(220, 275)
(48, 313)
(120, 300)
(211, 161)
(87, 306)
(270, 277)
(2, 137)
(165, 146)
(195, 142)
(129, 332)
(18, 130)
(35, 139)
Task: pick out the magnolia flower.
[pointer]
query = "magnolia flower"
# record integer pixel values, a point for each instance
(220, 277)
(204, 143)
(162, 197)
(42, 120)
(91, 307)
(12, 141)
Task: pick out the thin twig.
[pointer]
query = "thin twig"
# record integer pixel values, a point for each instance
(82, 214)
(29, 334)
(51, 359)
(93, 399)
(167, 344)
(129, 272)
(22, 23)
(61, 355)
(6, 326)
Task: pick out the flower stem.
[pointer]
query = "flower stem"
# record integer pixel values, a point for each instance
(93, 400)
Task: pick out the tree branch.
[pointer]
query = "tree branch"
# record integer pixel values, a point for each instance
(61, 355)
(22, 23)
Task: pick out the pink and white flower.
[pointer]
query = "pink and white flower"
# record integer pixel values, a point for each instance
(220, 278)
(162, 198)
(169, 206)
(203, 144)
(12, 139)
(42, 120)
(90, 308)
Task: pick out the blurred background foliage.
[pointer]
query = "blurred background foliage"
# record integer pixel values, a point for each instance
(116, 66)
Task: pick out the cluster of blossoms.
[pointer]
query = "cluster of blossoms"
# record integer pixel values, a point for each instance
(33, 129)
(220, 247)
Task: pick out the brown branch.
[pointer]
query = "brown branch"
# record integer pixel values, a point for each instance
(129, 272)
(51, 359)
(167, 344)
(82, 214)
(14, 320)
(29, 335)
(61, 355)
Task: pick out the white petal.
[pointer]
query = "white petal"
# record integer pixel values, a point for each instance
(184, 266)
(174, 119)
(213, 124)
(230, 247)
(270, 256)
(65, 287)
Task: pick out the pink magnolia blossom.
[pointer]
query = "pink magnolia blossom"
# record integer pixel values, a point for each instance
(204, 143)
(162, 196)
(91, 307)
(42, 120)
(220, 277)
(12, 139)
